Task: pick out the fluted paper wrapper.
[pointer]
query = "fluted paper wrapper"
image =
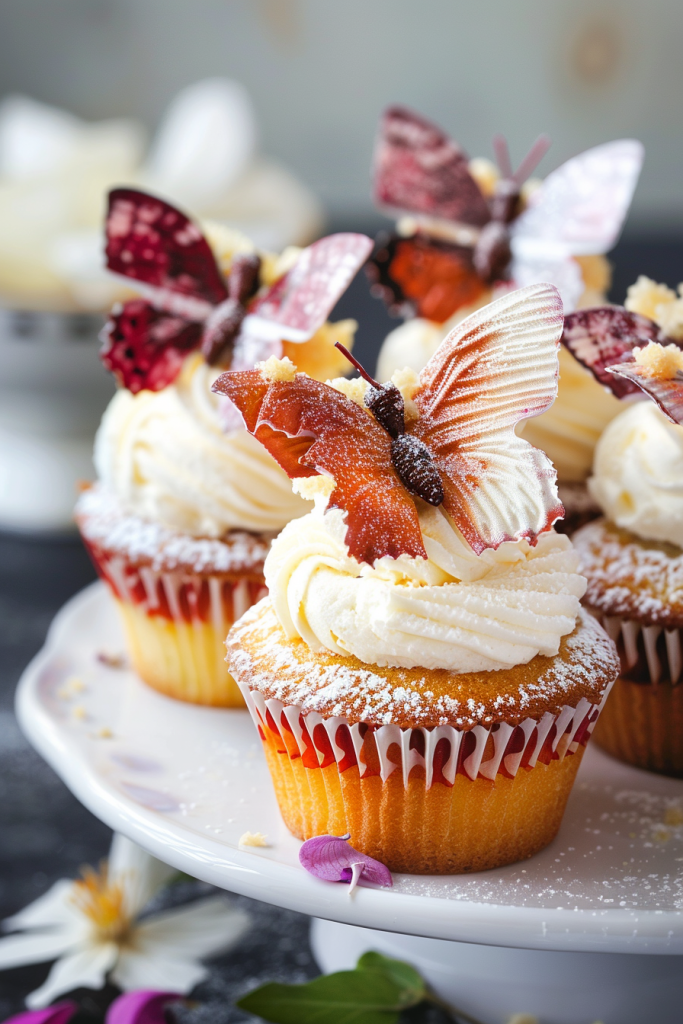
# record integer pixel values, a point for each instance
(642, 723)
(176, 624)
(436, 800)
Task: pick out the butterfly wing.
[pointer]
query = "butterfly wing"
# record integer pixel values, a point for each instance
(309, 428)
(604, 335)
(298, 304)
(418, 169)
(154, 244)
(473, 392)
(561, 271)
(420, 276)
(667, 394)
(144, 347)
(580, 208)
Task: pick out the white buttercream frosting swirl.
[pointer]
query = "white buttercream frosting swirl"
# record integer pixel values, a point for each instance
(569, 430)
(454, 610)
(638, 473)
(166, 457)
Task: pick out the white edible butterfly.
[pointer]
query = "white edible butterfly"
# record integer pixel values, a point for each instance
(579, 210)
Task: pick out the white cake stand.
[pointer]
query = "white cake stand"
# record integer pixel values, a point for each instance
(562, 936)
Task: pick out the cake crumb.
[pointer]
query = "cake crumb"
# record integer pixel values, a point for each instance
(354, 389)
(673, 816)
(72, 686)
(104, 733)
(112, 660)
(647, 297)
(663, 362)
(312, 487)
(277, 370)
(485, 173)
(79, 712)
(254, 839)
(407, 382)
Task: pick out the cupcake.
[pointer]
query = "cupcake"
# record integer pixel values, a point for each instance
(421, 674)
(187, 501)
(633, 561)
(472, 229)
(55, 172)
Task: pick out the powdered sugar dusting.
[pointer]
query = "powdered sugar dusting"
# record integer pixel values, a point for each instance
(260, 656)
(105, 523)
(631, 578)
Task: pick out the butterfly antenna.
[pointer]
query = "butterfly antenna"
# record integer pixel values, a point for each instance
(354, 362)
(500, 148)
(532, 159)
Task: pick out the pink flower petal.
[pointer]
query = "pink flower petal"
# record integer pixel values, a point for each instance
(60, 1013)
(146, 1006)
(333, 859)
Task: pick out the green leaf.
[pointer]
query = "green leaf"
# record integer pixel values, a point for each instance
(347, 997)
(402, 974)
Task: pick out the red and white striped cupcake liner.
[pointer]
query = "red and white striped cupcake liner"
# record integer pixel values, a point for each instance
(441, 752)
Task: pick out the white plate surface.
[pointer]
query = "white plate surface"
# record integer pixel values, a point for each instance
(186, 782)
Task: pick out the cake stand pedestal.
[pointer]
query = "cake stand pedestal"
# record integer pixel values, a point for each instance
(53, 391)
(591, 928)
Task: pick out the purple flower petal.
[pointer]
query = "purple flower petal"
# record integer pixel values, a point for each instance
(146, 1006)
(333, 859)
(60, 1013)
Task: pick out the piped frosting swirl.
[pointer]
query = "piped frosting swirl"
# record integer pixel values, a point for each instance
(454, 610)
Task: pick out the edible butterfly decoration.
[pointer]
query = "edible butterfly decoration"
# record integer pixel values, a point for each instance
(187, 303)
(603, 339)
(463, 243)
(497, 367)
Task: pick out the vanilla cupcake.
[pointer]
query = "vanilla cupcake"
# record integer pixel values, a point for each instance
(422, 676)
(633, 561)
(187, 501)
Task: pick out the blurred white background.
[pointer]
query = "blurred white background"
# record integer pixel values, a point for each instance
(320, 71)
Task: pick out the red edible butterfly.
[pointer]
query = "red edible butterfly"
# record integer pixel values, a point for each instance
(603, 339)
(465, 243)
(187, 303)
(497, 367)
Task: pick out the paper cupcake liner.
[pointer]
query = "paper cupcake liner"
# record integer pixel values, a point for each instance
(441, 752)
(176, 624)
(181, 597)
(656, 650)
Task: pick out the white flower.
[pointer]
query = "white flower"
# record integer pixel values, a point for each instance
(91, 928)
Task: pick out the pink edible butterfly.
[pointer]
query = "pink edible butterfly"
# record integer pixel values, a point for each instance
(187, 303)
(466, 242)
(603, 339)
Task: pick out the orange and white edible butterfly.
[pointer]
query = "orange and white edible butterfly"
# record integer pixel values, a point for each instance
(497, 367)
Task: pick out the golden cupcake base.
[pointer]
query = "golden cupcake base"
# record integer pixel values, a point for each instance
(389, 756)
(178, 595)
(642, 724)
(185, 660)
(473, 825)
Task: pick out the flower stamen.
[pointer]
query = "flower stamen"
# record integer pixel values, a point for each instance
(102, 902)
